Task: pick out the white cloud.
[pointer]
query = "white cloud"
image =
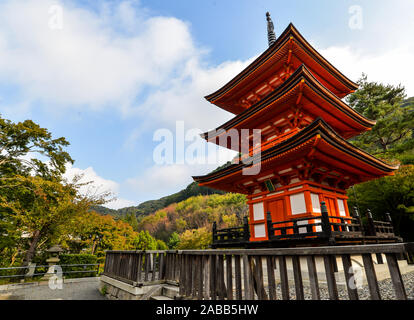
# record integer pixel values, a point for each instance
(389, 67)
(96, 59)
(97, 186)
(159, 180)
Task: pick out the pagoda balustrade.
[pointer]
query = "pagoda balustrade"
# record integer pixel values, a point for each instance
(231, 235)
(331, 229)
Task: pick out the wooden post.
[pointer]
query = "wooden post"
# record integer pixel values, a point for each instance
(270, 232)
(357, 216)
(326, 225)
(214, 232)
(295, 228)
(248, 278)
(388, 217)
(361, 226)
(313, 277)
(371, 226)
(371, 277)
(246, 234)
(396, 278)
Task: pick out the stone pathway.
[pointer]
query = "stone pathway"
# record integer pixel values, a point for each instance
(76, 290)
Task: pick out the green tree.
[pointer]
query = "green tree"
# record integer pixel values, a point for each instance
(21, 145)
(392, 194)
(131, 218)
(144, 241)
(395, 119)
(173, 241)
(161, 245)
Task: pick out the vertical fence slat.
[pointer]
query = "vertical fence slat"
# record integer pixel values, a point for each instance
(154, 264)
(284, 283)
(167, 265)
(258, 276)
(182, 276)
(194, 275)
(248, 279)
(271, 277)
(371, 277)
(206, 271)
(139, 267)
(179, 260)
(147, 266)
(220, 274)
(330, 277)
(349, 276)
(229, 273)
(297, 274)
(313, 277)
(200, 277)
(237, 271)
(213, 289)
(161, 266)
(396, 278)
(190, 275)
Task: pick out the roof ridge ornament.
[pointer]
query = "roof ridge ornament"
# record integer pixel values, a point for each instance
(271, 37)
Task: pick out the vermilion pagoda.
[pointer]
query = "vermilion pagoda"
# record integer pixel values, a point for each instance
(293, 95)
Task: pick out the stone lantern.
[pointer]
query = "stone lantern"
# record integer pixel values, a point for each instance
(54, 252)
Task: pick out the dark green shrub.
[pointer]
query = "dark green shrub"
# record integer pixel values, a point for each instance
(72, 259)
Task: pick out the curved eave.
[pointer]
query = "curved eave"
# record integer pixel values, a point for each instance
(266, 55)
(320, 129)
(302, 73)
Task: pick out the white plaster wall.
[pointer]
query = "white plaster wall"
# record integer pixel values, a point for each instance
(259, 230)
(315, 203)
(258, 211)
(341, 207)
(297, 203)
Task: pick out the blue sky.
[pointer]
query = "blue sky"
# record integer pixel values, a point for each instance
(114, 72)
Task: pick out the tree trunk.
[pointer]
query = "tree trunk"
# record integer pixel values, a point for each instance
(93, 247)
(32, 249)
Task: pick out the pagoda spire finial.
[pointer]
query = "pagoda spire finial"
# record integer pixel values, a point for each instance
(271, 37)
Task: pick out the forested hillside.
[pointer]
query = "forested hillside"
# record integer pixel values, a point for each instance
(191, 220)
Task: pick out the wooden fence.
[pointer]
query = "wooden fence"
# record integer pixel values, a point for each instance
(250, 274)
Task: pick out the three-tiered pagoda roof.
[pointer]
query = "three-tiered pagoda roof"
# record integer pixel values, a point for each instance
(273, 67)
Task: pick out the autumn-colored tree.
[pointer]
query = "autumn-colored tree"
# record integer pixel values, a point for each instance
(96, 233)
(195, 239)
(43, 208)
(195, 213)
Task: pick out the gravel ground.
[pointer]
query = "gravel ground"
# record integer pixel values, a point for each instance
(85, 290)
(385, 286)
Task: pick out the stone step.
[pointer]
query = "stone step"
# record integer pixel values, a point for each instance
(160, 298)
(170, 291)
